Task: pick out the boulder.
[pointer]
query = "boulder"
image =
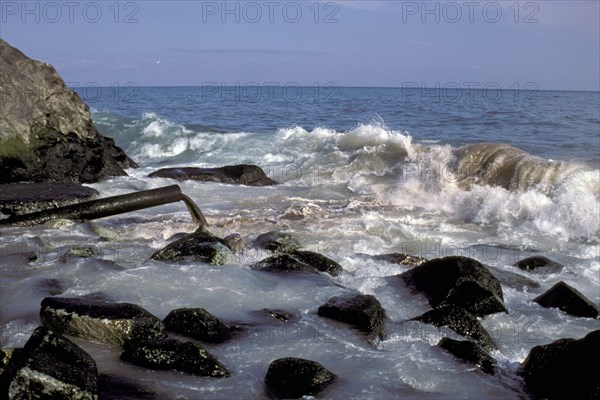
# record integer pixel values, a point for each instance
(200, 246)
(306, 261)
(564, 369)
(292, 378)
(460, 321)
(458, 281)
(539, 264)
(512, 280)
(243, 174)
(46, 132)
(277, 242)
(364, 312)
(171, 354)
(50, 367)
(395, 258)
(5, 356)
(279, 315)
(100, 321)
(196, 323)
(23, 198)
(120, 388)
(469, 352)
(569, 300)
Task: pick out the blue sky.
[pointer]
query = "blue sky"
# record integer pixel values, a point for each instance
(551, 44)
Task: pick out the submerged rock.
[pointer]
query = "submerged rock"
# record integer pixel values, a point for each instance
(243, 174)
(306, 261)
(22, 198)
(396, 258)
(171, 354)
(120, 388)
(457, 281)
(361, 311)
(100, 321)
(460, 321)
(292, 378)
(50, 367)
(569, 300)
(200, 246)
(539, 264)
(469, 352)
(515, 281)
(277, 242)
(46, 132)
(196, 323)
(280, 315)
(564, 369)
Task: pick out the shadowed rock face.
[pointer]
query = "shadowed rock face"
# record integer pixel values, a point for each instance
(50, 367)
(46, 132)
(569, 300)
(292, 378)
(361, 311)
(196, 323)
(100, 321)
(469, 352)
(201, 246)
(564, 369)
(306, 261)
(243, 174)
(457, 281)
(539, 264)
(21, 198)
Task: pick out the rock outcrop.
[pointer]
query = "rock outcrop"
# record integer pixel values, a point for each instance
(306, 261)
(539, 264)
(457, 281)
(50, 367)
(46, 132)
(277, 242)
(22, 198)
(292, 378)
(568, 299)
(243, 174)
(364, 312)
(196, 323)
(564, 369)
(469, 352)
(100, 321)
(200, 246)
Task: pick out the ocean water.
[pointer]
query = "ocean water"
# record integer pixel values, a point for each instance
(494, 175)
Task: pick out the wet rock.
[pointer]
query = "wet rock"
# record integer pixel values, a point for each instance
(469, 352)
(513, 280)
(196, 323)
(460, 321)
(277, 242)
(50, 367)
(569, 300)
(83, 251)
(52, 286)
(564, 369)
(235, 242)
(361, 311)
(22, 198)
(120, 388)
(200, 246)
(46, 132)
(280, 315)
(100, 321)
(306, 261)
(292, 378)
(5, 356)
(458, 281)
(396, 258)
(171, 354)
(243, 174)
(539, 264)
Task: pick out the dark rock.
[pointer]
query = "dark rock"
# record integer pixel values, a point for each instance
(46, 132)
(22, 198)
(52, 286)
(460, 321)
(306, 261)
(569, 300)
(171, 354)
(396, 258)
(277, 242)
(280, 315)
(292, 378)
(243, 174)
(50, 367)
(100, 321)
(83, 251)
(196, 323)
(469, 352)
(361, 311)
(120, 388)
(5, 356)
(539, 264)
(200, 246)
(458, 281)
(564, 369)
(235, 242)
(515, 281)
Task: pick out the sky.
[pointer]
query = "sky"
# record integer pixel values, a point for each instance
(550, 45)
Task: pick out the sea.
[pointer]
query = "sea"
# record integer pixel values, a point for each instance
(495, 175)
